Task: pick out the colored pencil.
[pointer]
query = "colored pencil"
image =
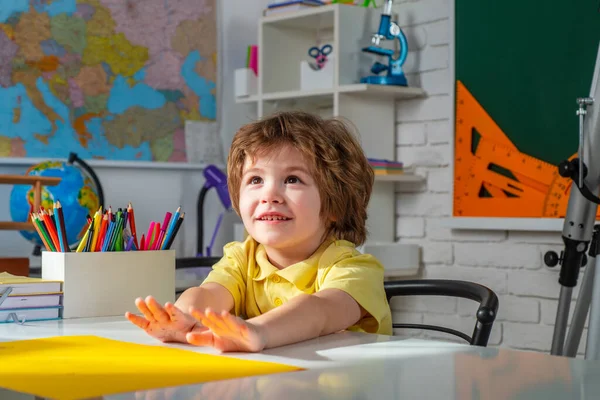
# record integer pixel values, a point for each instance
(149, 235)
(83, 242)
(90, 236)
(63, 227)
(38, 228)
(102, 233)
(97, 221)
(175, 230)
(51, 229)
(132, 223)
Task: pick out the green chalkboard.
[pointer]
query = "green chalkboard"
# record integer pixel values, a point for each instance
(526, 62)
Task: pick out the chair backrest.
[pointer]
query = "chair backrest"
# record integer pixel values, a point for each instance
(486, 313)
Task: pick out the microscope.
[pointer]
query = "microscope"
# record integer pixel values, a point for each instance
(388, 30)
(579, 231)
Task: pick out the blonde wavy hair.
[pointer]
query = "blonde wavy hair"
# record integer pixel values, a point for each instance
(336, 160)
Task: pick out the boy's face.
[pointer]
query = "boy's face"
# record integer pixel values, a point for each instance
(280, 203)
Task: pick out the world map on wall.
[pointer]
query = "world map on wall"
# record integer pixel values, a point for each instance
(107, 79)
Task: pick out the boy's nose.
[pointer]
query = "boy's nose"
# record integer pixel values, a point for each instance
(271, 194)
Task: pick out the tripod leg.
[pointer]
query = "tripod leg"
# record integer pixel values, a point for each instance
(581, 308)
(562, 318)
(592, 350)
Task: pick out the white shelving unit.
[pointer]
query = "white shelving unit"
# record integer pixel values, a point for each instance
(283, 43)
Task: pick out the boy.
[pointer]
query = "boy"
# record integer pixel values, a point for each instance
(301, 185)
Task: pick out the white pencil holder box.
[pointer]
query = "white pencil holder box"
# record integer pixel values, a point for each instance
(104, 284)
(245, 82)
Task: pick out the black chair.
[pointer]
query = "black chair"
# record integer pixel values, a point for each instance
(486, 313)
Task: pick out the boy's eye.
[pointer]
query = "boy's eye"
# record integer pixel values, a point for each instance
(255, 180)
(292, 179)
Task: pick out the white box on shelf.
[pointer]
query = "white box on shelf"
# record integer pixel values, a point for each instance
(311, 79)
(398, 259)
(245, 82)
(107, 283)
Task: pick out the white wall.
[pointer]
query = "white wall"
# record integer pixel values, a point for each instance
(509, 262)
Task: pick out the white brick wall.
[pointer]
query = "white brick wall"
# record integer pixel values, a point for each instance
(510, 263)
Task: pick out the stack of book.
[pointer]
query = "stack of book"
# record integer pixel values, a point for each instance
(29, 299)
(386, 167)
(280, 6)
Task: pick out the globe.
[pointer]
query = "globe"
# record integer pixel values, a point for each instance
(76, 193)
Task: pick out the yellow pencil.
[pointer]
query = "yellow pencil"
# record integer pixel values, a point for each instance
(83, 241)
(97, 220)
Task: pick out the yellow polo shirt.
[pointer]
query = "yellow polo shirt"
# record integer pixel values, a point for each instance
(257, 286)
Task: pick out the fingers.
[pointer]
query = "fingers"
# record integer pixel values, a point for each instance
(204, 338)
(141, 305)
(233, 324)
(175, 314)
(157, 310)
(217, 322)
(137, 320)
(210, 320)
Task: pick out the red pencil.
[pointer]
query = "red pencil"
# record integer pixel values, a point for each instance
(131, 217)
(51, 229)
(102, 233)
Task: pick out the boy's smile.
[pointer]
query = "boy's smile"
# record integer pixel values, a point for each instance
(280, 205)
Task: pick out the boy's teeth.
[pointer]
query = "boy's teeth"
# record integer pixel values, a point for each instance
(273, 218)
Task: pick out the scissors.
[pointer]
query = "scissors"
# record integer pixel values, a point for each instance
(320, 55)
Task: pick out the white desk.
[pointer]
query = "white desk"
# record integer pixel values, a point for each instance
(359, 366)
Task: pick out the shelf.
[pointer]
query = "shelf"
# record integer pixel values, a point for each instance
(28, 180)
(505, 224)
(396, 92)
(16, 226)
(399, 178)
(246, 99)
(295, 94)
(283, 42)
(363, 89)
(110, 164)
(321, 17)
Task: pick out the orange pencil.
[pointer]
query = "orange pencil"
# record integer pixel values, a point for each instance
(51, 229)
(131, 217)
(37, 228)
(102, 233)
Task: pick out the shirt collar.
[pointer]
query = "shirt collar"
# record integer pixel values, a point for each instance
(295, 273)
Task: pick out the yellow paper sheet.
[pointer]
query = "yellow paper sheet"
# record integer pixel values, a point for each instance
(75, 367)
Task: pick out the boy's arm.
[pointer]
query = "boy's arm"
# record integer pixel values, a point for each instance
(210, 295)
(303, 317)
(308, 316)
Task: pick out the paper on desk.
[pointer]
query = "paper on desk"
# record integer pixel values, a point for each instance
(75, 367)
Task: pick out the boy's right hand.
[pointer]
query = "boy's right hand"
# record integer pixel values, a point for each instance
(167, 324)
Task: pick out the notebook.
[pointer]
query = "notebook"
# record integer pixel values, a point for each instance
(25, 285)
(29, 314)
(31, 301)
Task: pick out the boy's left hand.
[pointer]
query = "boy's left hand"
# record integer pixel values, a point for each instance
(226, 332)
